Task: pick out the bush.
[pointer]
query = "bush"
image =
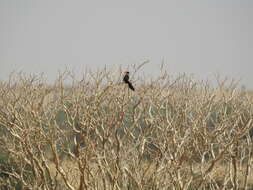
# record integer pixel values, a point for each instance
(96, 134)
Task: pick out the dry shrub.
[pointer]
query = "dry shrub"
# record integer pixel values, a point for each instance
(171, 133)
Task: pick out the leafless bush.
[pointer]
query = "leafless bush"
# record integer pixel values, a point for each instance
(172, 133)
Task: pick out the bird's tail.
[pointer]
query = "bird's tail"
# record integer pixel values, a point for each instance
(130, 86)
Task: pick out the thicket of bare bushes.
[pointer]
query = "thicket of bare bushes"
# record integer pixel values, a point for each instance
(171, 133)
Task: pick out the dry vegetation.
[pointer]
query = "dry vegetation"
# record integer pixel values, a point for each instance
(96, 134)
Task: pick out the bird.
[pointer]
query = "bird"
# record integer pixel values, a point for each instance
(126, 80)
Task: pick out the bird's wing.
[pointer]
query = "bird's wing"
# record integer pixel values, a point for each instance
(130, 86)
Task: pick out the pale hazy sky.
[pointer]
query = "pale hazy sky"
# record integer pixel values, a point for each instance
(192, 36)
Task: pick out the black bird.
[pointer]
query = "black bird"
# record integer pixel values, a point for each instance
(126, 80)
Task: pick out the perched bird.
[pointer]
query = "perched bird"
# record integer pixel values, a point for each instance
(126, 80)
